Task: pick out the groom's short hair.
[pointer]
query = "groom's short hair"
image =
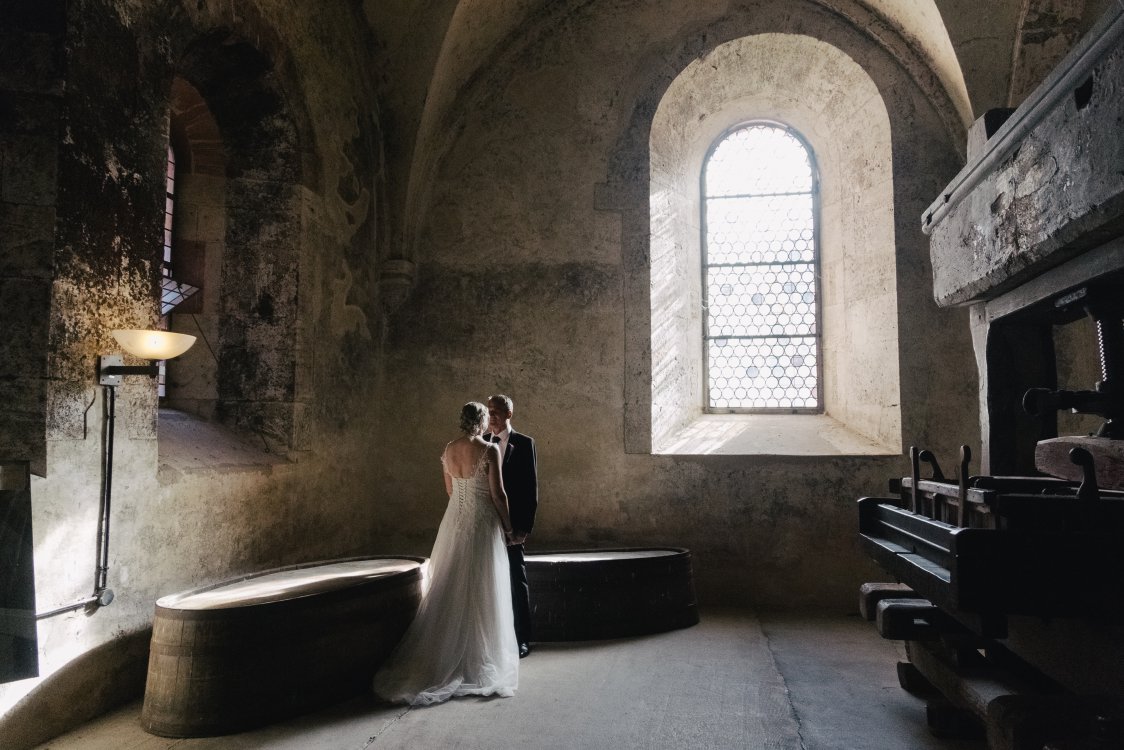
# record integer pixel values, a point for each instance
(502, 399)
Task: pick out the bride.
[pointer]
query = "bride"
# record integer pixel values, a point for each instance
(462, 641)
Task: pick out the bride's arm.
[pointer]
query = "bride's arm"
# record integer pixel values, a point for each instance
(495, 485)
(445, 472)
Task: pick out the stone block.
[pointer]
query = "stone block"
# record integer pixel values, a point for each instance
(28, 170)
(23, 427)
(67, 405)
(26, 240)
(24, 308)
(28, 113)
(28, 62)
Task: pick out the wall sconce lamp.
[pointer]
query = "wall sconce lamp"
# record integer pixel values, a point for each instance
(150, 345)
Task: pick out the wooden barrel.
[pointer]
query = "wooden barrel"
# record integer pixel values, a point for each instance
(581, 595)
(247, 652)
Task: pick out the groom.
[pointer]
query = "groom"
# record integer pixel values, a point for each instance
(521, 482)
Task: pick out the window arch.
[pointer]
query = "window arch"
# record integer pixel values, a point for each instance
(241, 183)
(193, 248)
(849, 152)
(760, 272)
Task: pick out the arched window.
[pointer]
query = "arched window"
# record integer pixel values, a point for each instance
(768, 322)
(760, 267)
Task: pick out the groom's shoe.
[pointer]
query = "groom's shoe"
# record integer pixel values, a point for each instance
(524, 649)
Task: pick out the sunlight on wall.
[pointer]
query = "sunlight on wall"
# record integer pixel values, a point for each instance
(827, 97)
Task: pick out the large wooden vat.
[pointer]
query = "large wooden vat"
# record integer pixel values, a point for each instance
(581, 595)
(246, 652)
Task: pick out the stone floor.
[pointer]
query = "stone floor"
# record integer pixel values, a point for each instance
(736, 680)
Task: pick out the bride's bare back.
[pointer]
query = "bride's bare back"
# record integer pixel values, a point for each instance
(461, 459)
(463, 455)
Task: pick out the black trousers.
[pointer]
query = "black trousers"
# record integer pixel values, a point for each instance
(520, 593)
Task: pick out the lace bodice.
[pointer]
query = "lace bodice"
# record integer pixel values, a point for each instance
(471, 499)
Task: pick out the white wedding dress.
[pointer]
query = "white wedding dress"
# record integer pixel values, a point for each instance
(462, 641)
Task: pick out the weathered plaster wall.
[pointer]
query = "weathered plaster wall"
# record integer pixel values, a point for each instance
(447, 48)
(534, 270)
(1004, 47)
(293, 312)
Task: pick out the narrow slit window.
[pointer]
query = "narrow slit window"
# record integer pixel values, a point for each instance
(760, 266)
(166, 280)
(172, 292)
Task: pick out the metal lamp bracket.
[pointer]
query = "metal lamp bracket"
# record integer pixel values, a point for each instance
(106, 364)
(111, 368)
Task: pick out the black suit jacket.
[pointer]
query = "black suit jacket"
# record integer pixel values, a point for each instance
(521, 480)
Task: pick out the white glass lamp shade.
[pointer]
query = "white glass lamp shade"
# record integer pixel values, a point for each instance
(153, 344)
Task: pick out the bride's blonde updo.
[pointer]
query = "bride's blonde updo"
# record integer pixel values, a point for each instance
(474, 418)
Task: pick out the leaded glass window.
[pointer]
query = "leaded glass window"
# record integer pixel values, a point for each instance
(172, 292)
(760, 273)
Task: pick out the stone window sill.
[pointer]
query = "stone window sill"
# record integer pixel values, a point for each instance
(771, 435)
(188, 444)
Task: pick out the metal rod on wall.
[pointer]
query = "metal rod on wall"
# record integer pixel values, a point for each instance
(107, 494)
(143, 344)
(102, 595)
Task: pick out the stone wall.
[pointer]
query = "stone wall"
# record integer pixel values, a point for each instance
(292, 312)
(526, 203)
(31, 35)
(533, 279)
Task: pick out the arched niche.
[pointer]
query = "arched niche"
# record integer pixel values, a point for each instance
(920, 157)
(823, 94)
(260, 370)
(198, 249)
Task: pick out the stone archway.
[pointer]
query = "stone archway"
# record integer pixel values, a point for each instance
(915, 117)
(263, 138)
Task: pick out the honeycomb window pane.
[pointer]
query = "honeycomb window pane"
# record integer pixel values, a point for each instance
(760, 273)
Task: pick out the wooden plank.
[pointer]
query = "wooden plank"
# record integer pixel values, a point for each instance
(932, 568)
(933, 583)
(972, 693)
(916, 533)
(933, 487)
(870, 594)
(1016, 713)
(921, 575)
(914, 620)
(932, 532)
(1053, 513)
(1052, 457)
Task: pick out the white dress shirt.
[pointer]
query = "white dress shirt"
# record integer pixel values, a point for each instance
(502, 439)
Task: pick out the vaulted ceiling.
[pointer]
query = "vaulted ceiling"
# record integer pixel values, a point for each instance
(984, 54)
